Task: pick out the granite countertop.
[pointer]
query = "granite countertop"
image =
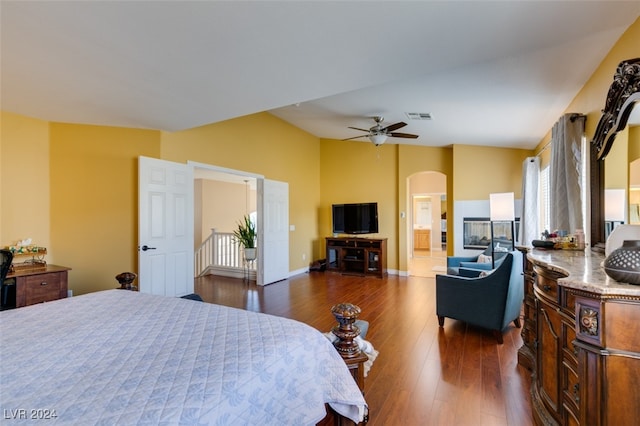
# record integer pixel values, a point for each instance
(583, 270)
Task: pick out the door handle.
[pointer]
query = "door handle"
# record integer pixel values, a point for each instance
(146, 247)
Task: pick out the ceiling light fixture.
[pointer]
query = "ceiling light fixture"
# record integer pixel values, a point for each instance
(378, 139)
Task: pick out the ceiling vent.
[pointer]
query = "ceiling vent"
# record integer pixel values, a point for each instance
(419, 115)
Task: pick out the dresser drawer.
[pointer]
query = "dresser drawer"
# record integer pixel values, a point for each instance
(547, 286)
(42, 288)
(571, 388)
(568, 337)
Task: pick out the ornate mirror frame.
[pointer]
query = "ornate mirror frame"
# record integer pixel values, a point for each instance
(623, 93)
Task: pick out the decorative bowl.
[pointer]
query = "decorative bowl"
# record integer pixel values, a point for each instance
(623, 263)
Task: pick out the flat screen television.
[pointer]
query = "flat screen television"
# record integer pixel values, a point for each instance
(359, 218)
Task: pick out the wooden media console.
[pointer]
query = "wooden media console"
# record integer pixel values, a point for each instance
(359, 256)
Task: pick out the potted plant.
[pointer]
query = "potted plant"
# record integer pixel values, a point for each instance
(245, 235)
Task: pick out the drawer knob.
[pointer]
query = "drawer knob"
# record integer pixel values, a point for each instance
(43, 283)
(546, 287)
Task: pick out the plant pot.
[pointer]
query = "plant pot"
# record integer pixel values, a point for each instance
(250, 253)
(623, 264)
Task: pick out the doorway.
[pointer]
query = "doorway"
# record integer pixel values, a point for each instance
(266, 202)
(236, 189)
(426, 223)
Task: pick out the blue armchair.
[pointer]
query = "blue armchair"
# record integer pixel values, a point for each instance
(459, 265)
(490, 302)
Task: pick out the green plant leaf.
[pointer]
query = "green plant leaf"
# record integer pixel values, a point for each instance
(245, 233)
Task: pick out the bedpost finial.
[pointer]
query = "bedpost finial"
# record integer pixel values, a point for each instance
(125, 279)
(346, 314)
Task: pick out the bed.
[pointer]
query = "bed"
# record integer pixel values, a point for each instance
(123, 357)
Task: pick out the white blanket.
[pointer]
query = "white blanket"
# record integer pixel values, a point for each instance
(122, 357)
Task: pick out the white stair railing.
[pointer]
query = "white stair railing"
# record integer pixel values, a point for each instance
(221, 254)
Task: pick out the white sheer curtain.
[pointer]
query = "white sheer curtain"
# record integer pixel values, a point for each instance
(566, 173)
(529, 225)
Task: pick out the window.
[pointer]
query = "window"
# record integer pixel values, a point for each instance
(544, 201)
(583, 181)
(544, 196)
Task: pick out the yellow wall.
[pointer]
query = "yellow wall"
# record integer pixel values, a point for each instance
(359, 172)
(634, 172)
(634, 142)
(266, 145)
(591, 98)
(77, 194)
(479, 171)
(618, 177)
(94, 199)
(24, 181)
(380, 174)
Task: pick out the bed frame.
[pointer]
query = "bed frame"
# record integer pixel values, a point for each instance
(346, 331)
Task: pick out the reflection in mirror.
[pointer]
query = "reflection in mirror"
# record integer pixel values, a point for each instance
(623, 94)
(634, 191)
(615, 206)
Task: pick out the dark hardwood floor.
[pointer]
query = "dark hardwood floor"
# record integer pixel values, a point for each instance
(424, 375)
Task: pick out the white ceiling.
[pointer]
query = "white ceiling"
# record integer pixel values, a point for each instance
(490, 73)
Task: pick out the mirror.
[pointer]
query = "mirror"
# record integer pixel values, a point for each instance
(623, 94)
(634, 188)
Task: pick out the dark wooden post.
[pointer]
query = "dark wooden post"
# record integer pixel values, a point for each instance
(125, 279)
(346, 314)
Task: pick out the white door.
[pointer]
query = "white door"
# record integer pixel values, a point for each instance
(273, 231)
(165, 227)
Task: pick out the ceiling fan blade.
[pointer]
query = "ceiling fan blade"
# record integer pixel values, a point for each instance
(393, 127)
(362, 130)
(355, 137)
(402, 135)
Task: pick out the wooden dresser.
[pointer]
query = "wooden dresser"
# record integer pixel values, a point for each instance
(40, 286)
(583, 345)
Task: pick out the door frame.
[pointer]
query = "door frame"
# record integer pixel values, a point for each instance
(408, 245)
(242, 176)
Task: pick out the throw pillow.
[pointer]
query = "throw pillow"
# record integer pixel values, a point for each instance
(484, 258)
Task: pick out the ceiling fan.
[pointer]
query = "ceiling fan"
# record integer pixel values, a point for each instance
(378, 134)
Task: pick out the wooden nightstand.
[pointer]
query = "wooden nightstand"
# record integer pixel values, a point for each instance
(45, 285)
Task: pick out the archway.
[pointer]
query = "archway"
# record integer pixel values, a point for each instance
(426, 223)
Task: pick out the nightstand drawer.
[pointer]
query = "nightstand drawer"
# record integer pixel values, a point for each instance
(42, 288)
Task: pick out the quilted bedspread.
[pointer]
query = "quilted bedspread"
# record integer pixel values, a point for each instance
(122, 357)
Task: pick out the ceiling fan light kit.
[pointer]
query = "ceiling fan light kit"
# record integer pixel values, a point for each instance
(378, 134)
(378, 139)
